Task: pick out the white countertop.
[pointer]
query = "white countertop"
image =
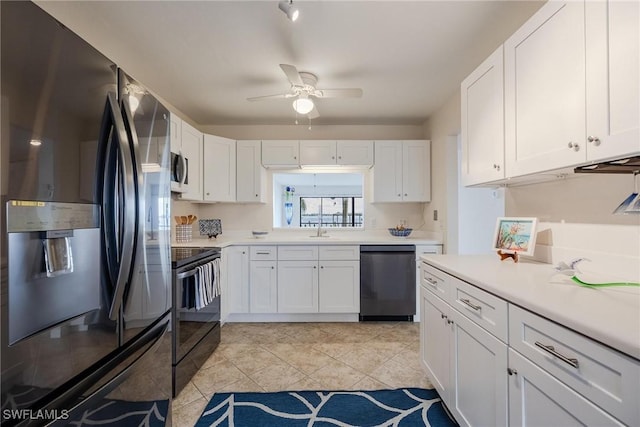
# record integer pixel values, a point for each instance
(304, 238)
(608, 315)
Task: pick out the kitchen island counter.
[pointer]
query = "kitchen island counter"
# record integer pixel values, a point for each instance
(609, 315)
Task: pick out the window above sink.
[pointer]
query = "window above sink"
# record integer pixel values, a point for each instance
(330, 199)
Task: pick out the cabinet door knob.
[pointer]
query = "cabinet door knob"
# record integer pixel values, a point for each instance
(340, 157)
(594, 140)
(207, 194)
(405, 194)
(574, 146)
(496, 167)
(443, 316)
(449, 321)
(333, 157)
(314, 267)
(272, 267)
(399, 195)
(512, 371)
(256, 195)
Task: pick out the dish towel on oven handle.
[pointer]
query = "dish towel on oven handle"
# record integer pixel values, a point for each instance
(207, 283)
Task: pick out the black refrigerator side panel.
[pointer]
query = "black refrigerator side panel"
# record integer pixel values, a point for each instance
(53, 91)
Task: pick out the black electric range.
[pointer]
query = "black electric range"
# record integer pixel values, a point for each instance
(196, 332)
(183, 256)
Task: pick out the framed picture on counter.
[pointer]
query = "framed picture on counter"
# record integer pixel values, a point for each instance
(515, 235)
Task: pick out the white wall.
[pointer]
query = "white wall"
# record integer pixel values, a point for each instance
(442, 129)
(477, 210)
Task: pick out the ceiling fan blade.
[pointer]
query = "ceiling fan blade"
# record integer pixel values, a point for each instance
(292, 74)
(338, 93)
(313, 114)
(278, 96)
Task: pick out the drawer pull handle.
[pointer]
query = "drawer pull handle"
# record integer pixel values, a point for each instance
(552, 351)
(431, 281)
(263, 253)
(512, 371)
(470, 304)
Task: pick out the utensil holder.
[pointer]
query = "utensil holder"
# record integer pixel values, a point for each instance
(184, 233)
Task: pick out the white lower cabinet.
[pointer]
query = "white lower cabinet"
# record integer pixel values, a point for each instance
(236, 280)
(478, 365)
(263, 294)
(422, 250)
(538, 399)
(435, 337)
(466, 364)
(297, 286)
(314, 279)
(291, 279)
(339, 287)
(547, 375)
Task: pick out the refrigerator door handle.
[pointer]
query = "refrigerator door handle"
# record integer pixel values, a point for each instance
(124, 201)
(152, 339)
(136, 175)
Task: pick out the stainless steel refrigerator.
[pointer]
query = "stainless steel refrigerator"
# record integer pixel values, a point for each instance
(85, 240)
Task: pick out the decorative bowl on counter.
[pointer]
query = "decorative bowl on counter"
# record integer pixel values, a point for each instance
(258, 234)
(400, 232)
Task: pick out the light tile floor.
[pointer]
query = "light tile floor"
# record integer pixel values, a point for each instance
(305, 356)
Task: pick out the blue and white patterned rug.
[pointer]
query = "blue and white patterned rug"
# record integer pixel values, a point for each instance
(402, 407)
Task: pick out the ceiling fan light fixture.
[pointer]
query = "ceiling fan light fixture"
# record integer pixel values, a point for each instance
(287, 7)
(302, 104)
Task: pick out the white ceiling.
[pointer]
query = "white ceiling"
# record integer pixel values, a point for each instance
(206, 57)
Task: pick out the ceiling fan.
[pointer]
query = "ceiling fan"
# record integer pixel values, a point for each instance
(303, 89)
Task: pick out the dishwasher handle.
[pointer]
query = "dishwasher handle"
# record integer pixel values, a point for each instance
(387, 248)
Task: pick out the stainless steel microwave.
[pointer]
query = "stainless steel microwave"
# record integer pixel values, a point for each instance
(179, 173)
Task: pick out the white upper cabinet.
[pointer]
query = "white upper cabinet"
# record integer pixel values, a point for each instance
(613, 79)
(482, 111)
(219, 166)
(328, 152)
(416, 171)
(192, 150)
(175, 133)
(317, 152)
(283, 153)
(387, 172)
(250, 175)
(402, 171)
(354, 153)
(545, 91)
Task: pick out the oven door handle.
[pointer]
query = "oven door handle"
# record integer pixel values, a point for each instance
(186, 274)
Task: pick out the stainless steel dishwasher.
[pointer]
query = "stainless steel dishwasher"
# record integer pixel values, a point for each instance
(387, 282)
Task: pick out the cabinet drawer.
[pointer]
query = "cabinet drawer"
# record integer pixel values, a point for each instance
(434, 280)
(606, 377)
(488, 311)
(295, 253)
(339, 253)
(263, 253)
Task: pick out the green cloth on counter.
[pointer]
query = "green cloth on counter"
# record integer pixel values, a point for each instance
(602, 285)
